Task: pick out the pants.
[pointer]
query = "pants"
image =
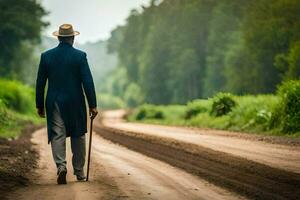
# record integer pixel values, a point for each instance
(58, 145)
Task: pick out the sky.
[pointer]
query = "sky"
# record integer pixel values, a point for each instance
(94, 19)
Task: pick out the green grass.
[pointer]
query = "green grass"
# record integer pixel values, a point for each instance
(252, 114)
(170, 114)
(16, 108)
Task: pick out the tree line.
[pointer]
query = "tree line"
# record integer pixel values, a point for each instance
(173, 51)
(20, 30)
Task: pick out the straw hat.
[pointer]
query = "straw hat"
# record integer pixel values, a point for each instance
(65, 30)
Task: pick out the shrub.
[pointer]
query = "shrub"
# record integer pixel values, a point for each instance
(108, 101)
(17, 96)
(3, 113)
(133, 95)
(253, 112)
(288, 110)
(197, 106)
(205, 120)
(148, 111)
(222, 104)
(141, 114)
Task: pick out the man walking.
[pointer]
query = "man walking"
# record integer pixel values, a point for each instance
(68, 73)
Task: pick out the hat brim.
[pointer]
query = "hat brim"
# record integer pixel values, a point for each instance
(56, 33)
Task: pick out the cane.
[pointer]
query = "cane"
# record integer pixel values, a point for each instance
(90, 146)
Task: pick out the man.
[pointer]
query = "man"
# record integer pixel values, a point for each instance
(68, 73)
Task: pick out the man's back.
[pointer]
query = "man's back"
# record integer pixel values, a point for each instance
(67, 71)
(63, 66)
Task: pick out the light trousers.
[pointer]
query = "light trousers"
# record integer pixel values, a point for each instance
(58, 145)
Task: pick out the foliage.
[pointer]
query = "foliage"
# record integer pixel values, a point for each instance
(148, 111)
(21, 25)
(171, 114)
(205, 120)
(227, 18)
(180, 50)
(116, 82)
(133, 95)
(17, 96)
(9, 121)
(288, 111)
(251, 113)
(99, 60)
(3, 113)
(16, 107)
(290, 62)
(222, 104)
(195, 107)
(108, 101)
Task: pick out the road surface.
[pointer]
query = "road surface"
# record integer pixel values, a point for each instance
(116, 173)
(280, 156)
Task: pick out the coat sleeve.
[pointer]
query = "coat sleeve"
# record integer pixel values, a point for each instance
(87, 82)
(41, 83)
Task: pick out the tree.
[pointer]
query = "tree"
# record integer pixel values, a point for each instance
(179, 50)
(133, 95)
(21, 25)
(226, 20)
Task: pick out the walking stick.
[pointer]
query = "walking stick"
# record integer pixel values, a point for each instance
(90, 146)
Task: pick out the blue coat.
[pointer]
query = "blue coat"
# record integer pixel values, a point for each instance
(68, 73)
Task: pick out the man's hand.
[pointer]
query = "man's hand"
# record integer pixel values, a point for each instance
(41, 112)
(93, 113)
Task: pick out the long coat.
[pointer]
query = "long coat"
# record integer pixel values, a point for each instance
(68, 73)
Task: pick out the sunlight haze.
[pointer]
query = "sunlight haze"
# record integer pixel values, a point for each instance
(94, 19)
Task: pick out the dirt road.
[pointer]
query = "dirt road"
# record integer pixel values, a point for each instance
(280, 156)
(116, 173)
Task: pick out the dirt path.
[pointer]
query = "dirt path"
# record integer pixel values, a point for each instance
(116, 173)
(242, 176)
(276, 155)
(43, 183)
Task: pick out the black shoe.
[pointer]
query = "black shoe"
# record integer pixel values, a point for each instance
(80, 177)
(61, 178)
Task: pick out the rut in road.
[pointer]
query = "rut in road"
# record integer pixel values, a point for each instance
(245, 177)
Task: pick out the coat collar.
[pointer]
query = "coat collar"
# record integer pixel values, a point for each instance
(64, 44)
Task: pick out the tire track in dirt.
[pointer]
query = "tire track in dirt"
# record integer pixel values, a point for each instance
(242, 176)
(141, 177)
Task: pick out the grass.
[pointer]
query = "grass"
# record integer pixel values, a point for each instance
(252, 114)
(16, 108)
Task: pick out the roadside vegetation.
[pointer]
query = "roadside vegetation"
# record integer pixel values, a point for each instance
(269, 114)
(21, 26)
(16, 107)
(175, 51)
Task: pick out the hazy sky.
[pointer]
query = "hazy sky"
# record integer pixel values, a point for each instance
(94, 19)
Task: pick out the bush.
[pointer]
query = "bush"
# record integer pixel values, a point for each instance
(288, 111)
(3, 114)
(141, 114)
(149, 112)
(133, 95)
(253, 113)
(205, 120)
(197, 106)
(16, 108)
(222, 104)
(10, 122)
(107, 101)
(17, 96)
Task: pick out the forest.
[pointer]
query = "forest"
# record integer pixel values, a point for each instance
(174, 51)
(237, 58)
